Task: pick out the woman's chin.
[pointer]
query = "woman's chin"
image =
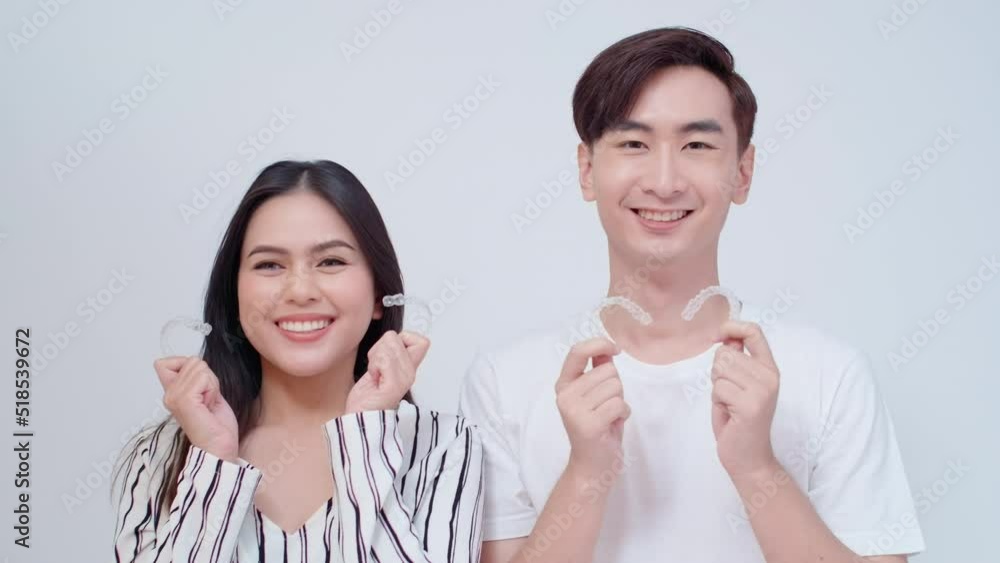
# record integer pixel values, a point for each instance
(304, 364)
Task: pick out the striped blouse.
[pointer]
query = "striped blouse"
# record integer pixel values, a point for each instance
(408, 487)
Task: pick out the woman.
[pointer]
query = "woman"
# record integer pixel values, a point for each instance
(294, 438)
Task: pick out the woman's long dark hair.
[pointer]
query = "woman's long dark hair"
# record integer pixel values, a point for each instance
(226, 350)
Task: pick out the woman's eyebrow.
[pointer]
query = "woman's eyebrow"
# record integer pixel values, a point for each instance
(316, 249)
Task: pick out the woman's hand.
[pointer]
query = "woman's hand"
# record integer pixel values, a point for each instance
(392, 369)
(191, 393)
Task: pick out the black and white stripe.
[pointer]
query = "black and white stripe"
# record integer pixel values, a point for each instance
(408, 488)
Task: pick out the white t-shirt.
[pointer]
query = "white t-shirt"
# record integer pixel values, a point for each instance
(674, 501)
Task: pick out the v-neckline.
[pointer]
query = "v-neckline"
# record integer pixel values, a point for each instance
(322, 510)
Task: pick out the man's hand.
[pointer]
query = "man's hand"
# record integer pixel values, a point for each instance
(744, 396)
(592, 406)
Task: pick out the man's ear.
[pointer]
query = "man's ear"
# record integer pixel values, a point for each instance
(584, 162)
(744, 175)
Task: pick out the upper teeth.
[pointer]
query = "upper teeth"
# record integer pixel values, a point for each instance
(661, 216)
(304, 326)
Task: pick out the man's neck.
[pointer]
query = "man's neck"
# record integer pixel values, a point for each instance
(664, 292)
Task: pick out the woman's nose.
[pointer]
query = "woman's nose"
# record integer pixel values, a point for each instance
(300, 287)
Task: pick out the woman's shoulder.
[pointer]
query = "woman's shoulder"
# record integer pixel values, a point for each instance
(426, 429)
(151, 449)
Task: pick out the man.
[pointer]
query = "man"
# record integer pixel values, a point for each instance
(684, 441)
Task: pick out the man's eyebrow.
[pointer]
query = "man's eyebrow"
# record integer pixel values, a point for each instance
(701, 126)
(333, 243)
(630, 125)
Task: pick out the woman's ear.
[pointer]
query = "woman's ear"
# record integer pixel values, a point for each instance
(379, 309)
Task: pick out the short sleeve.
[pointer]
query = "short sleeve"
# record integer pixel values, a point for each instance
(509, 512)
(858, 485)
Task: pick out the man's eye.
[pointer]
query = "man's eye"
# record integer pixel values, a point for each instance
(632, 145)
(698, 145)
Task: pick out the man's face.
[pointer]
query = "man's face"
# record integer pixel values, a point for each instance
(664, 178)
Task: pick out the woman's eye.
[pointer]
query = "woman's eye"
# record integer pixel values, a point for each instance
(332, 262)
(265, 266)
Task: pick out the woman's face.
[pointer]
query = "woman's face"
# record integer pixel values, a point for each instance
(306, 293)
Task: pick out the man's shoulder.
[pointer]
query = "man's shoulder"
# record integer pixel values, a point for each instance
(544, 346)
(799, 342)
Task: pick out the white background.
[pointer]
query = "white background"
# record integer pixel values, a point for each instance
(62, 236)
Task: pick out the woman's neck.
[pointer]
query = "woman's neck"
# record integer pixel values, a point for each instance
(299, 402)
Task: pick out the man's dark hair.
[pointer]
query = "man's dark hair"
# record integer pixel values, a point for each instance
(610, 85)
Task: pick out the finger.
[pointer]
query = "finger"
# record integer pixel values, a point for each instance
(753, 338)
(172, 363)
(732, 366)
(205, 381)
(613, 409)
(184, 380)
(198, 378)
(607, 389)
(600, 360)
(416, 345)
(400, 367)
(734, 344)
(726, 392)
(591, 379)
(748, 369)
(167, 368)
(580, 354)
(720, 416)
(190, 364)
(375, 373)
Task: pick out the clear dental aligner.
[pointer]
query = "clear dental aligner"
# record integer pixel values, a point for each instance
(695, 304)
(399, 299)
(633, 309)
(188, 322)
